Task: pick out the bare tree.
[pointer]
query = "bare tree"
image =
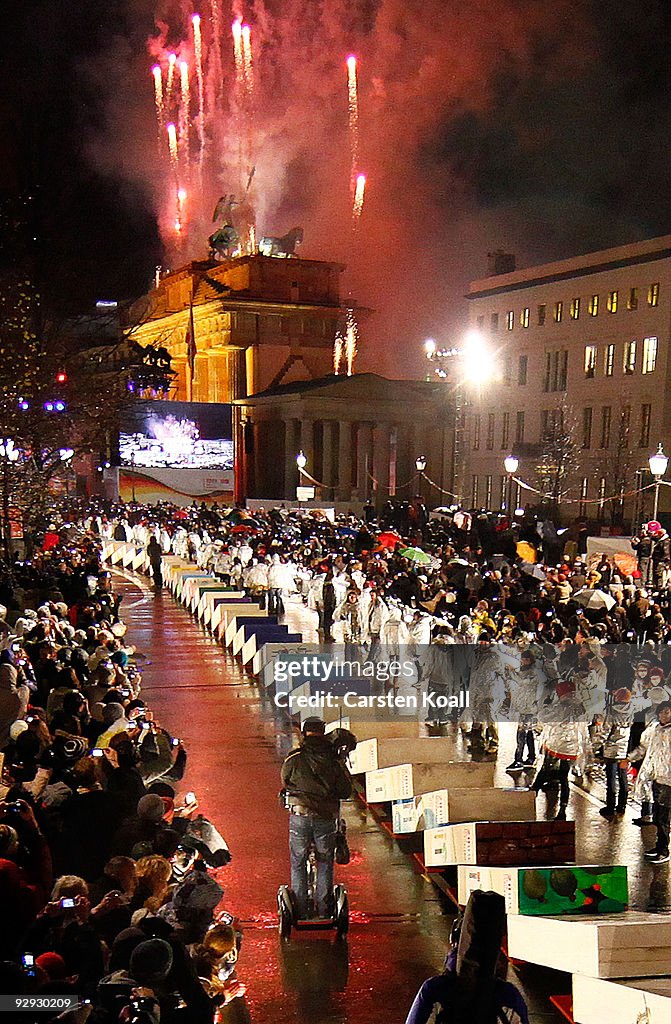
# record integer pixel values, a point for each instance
(559, 458)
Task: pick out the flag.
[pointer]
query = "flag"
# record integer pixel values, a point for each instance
(191, 349)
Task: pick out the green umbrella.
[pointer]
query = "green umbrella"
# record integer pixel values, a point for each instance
(416, 555)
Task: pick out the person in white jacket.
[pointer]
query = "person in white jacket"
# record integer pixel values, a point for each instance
(655, 748)
(525, 689)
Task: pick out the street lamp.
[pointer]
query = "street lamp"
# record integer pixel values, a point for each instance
(66, 455)
(511, 463)
(301, 461)
(420, 463)
(658, 464)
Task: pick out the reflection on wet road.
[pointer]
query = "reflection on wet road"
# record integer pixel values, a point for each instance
(399, 921)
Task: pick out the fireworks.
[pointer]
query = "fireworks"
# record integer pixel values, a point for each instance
(351, 341)
(172, 145)
(179, 216)
(172, 59)
(158, 97)
(359, 194)
(184, 108)
(236, 29)
(338, 346)
(353, 105)
(198, 50)
(248, 68)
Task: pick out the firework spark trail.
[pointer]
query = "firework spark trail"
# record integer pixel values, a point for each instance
(184, 109)
(359, 194)
(248, 67)
(198, 50)
(215, 47)
(337, 352)
(172, 59)
(158, 99)
(180, 204)
(236, 29)
(351, 340)
(353, 104)
(172, 146)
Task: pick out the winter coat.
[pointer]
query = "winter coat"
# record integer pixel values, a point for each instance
(315, 779)
(613, 734)
(525, 689)
(565, 731)
(655, 749)
(13, 701)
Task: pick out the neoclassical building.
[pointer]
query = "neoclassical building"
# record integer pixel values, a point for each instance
(261, 331)
(361, 436)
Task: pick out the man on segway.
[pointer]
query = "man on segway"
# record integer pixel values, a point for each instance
(315, 780)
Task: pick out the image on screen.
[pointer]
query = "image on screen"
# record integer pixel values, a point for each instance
(177, 435)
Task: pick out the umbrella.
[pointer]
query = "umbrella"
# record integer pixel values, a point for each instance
(458, 561)
(243, 528)
(388, 539)
(346, 531)
(594, 599)
(533, 570)
(416, 555)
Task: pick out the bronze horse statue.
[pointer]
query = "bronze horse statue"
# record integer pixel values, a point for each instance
(284, 246)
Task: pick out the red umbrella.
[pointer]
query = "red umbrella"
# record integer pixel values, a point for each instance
(388, 539)
(243, 528)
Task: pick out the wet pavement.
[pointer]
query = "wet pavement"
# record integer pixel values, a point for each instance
(399, 920)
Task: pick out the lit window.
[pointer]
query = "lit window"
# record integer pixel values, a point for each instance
(575, 308)
(524, 317)
(649, 355)
(644, 436)
(629, 361)
(653, 294)
(476, 432)
(612, 302)
(541, 315)
(505, 430)
(605, 426)
(474, 491)
(522, 369)
(519, 428)
(594, 306)
(587, 428)
(503, 491)
(490, 431)
(590, 360)
(609, 360)
(559, 310)
(510, 319)
(632, 301)
(494, 323)
(488, 491)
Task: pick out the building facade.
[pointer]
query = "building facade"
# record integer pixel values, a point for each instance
(361, 436)
(580, 353)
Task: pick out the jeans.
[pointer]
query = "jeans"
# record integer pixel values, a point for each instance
(302, 832)
(661, 811)
(525, 738)
(616, 784)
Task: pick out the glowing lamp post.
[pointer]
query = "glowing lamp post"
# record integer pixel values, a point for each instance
(301, 463)
(511, 464)
(658, 464)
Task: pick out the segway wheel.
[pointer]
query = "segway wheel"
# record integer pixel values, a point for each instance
(284, 912)
(341, 915)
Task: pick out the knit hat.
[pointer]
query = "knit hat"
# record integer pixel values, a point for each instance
(150, 807)
(150, 962)
(16, 728)
(53, 965)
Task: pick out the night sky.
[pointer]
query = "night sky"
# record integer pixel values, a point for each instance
(538, 127)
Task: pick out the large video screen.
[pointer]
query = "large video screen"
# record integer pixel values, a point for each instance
(177, 435)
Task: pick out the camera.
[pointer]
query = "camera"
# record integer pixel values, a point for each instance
(67, 903)
(97, 752)
(175, 741)
(14, 807)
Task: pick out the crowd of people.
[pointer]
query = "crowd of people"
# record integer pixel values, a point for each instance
(589, 678)
(109, 881)
(576, 652)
